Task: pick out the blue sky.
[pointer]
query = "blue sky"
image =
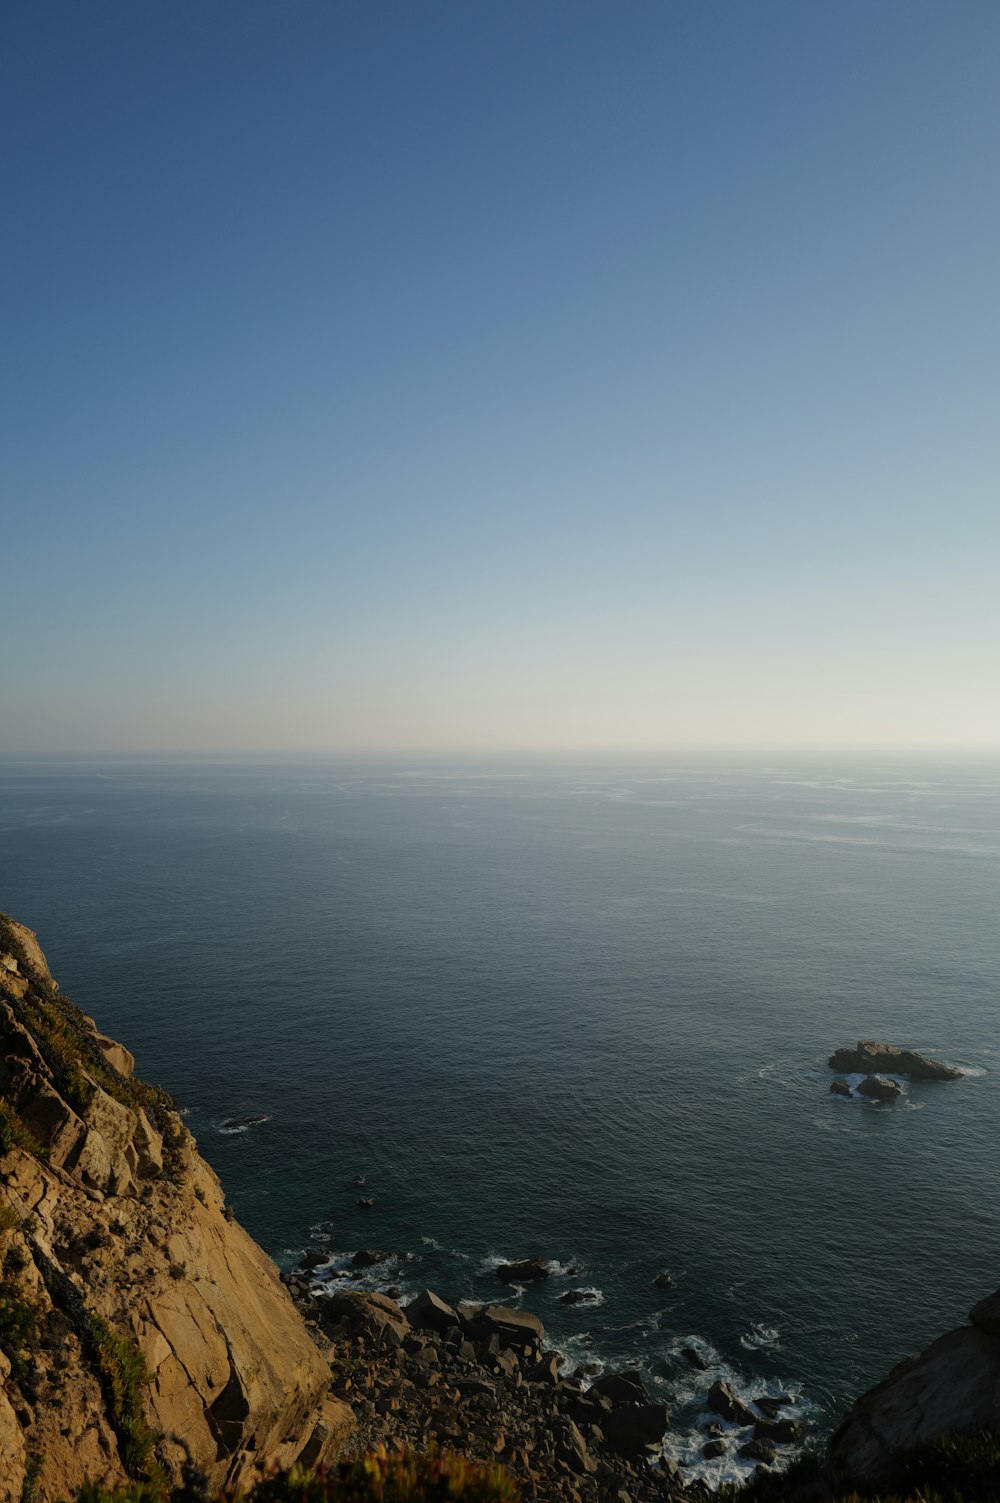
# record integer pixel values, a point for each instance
(461, 375)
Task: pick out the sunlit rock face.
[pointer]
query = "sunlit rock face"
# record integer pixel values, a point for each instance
(111, 1222)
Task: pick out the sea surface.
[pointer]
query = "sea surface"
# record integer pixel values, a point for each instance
(580, 1010)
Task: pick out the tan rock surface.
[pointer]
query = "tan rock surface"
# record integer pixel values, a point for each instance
(125, 1221)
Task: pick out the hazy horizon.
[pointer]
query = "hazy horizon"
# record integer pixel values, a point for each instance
(543, 378)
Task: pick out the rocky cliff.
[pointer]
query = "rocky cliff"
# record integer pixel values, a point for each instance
(140, 1327)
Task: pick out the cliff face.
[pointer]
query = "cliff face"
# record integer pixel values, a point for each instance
(140, 1327)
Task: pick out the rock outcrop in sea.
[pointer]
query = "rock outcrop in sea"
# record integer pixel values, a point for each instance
(142, 1328)
(870, 1058)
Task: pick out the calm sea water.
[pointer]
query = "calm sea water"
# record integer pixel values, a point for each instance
(573, 1010)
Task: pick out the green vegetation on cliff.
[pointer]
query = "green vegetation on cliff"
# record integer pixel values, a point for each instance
(375, 1478)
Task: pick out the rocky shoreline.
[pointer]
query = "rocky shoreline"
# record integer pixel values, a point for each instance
(480, 1379)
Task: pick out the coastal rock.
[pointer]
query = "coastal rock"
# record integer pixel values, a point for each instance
(634, 1428)
(665, 1281)
(986, 1314)
(109, 1241)
(840, 1087)
(695, 1359)
(578, 1297)
(880, 1087)
(622, 1388)
(713, 1448)
(759, 1450)
(952, 1386)
(367, 1257)
(871, 1058)
(511, 1327)
(430, 1313)
(722, 1400)
(526, 1271)
(781, 1432)
(365, 1202)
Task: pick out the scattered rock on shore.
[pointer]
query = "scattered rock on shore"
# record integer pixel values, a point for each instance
(722, 1400)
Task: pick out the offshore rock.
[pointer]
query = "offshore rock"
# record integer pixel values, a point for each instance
(880, 1087)
(873, 1058)
(122, 1229)
(840, 1087)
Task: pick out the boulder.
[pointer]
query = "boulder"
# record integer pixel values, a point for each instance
(547, 1370)
(511, 1327)
(713, 1448)
(695, 1359)
(526, 1271)
(759, 1450)
(430, 1313)
(782, 1432)
(635, 1428)
(571, 1448)
(880, 1087)
(840, 1087)
(870, 1058)
(367, 1257)
(621, 1388)
(722, 1400)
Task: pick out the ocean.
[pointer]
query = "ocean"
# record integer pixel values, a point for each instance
(575, 1009)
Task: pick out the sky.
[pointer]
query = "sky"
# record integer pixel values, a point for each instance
(499, 374)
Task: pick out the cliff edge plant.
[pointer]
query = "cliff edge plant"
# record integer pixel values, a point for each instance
(375, 1478)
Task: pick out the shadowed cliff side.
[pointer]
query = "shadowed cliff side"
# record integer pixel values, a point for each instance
(140, 1327)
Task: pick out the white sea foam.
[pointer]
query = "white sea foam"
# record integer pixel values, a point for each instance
(761, 1337)
(229, 1132)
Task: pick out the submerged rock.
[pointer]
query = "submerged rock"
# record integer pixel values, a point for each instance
(526, 1271)
(870, 1057)
(665, 1281)
(578, 1297)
